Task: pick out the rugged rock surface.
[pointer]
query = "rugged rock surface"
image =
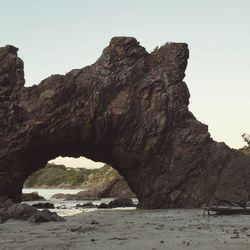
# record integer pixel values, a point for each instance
(22, 211)
(130, 110)
(44, 205)
(34, 196)
(86, 205)
(245, 150)
(117, 187)
(121, 202)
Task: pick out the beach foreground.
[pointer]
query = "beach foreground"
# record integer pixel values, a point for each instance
(130, 229)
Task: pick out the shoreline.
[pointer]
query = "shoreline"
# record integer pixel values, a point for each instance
(63, 188)
(131, 229)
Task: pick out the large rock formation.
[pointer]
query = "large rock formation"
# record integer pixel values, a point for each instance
(129, 109)
(117, 187)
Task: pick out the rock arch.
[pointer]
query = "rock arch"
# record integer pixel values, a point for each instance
(129, 109)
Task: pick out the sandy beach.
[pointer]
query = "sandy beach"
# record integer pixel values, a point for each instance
(130, 229)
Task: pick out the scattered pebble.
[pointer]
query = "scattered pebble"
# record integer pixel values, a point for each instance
(81, 229)
(118, 238)
(235, 237)
(94, 222)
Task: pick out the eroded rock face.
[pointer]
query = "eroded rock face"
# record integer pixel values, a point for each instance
(130, 110)
(23, 211)
(117, 187)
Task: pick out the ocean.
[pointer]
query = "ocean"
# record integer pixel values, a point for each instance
(67, 208)
(47, 192)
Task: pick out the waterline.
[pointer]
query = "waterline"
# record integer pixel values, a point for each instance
(47, 193)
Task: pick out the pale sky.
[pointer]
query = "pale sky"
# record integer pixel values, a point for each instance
(55, 36)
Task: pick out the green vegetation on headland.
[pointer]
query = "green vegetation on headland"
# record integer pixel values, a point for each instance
(102, 175)
(58, 176)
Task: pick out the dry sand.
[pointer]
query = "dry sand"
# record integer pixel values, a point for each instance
(132, 229)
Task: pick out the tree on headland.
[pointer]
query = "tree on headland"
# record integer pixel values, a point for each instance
(246, 138)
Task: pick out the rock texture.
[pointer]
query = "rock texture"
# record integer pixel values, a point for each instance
(130, 110)
(34, 196)
(117, 187)
(22, 211)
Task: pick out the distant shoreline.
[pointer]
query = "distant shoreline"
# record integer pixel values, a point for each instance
(47, 193)
(63, 188)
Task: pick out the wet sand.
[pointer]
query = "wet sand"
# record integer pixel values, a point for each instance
(132, 229)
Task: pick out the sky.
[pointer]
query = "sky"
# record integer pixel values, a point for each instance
(55, 36)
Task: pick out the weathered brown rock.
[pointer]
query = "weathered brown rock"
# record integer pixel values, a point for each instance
(129, 109)
(121, 202)
(117, 187)
(34, 196)
(44, 205)
(22, 211)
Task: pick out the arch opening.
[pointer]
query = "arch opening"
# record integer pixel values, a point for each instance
(76, 178)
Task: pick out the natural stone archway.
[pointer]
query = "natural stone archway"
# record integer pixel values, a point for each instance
(129, 109)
